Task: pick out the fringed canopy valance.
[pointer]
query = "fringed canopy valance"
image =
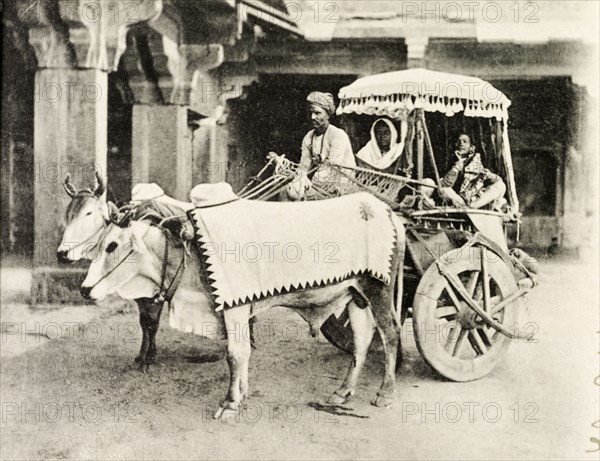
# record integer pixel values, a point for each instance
(396, 94)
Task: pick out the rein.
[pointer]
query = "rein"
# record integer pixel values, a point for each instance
(112, 270)
(117, 265)
(167, 293)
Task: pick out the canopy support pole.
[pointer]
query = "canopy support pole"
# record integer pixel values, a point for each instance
(408, 145)
(419, 132)
(430, 151)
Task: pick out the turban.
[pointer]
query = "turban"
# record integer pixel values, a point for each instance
(324, 100)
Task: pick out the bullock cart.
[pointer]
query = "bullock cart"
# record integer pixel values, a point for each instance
(462, 283)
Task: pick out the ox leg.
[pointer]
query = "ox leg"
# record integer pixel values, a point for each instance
(238, 358)
(149, 320)
(388, 326)
(143, 308)
(389, 338)
(363, 330)
(154, 312)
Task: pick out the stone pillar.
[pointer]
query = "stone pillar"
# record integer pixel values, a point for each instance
(70, 117)
(210, 152)
(574, 199)
(162, 148)
(415, 47)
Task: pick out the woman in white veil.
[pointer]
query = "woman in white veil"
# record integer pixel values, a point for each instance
(384, 148)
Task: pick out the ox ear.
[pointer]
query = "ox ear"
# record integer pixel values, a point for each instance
(68, 185)
(113, 212)
(100, 183)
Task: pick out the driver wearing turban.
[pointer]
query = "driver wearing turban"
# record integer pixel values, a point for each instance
(325, 142)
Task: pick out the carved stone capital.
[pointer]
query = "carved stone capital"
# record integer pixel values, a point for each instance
(107, 24)
(188, 65)
(84, 34)
(242, 49)
(211, 90)
(48, 34)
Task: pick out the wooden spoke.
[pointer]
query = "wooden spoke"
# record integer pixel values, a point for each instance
(446, 311)
(478, 293)
(477, 342)
(484, 336)
(453, 337)
(472, 283)
(460, 341)
(485, 278)
(453, 296)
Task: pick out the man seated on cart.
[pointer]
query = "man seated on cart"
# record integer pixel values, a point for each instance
(469, 183)
(325, 142)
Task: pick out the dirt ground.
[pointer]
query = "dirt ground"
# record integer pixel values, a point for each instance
(70, 389)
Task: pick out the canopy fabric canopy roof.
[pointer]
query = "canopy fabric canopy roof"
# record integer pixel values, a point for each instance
(395, 94)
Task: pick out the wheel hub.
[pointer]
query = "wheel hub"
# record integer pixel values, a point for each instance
(469, 319)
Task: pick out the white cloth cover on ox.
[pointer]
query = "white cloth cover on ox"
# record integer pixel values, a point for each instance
(205, 195)
(257, 249)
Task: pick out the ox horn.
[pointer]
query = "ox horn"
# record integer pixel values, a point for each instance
(68, 185)
(99, 190)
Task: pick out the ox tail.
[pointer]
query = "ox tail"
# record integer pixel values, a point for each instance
(399, 280)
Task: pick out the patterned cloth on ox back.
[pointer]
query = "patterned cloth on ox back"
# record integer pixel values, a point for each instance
(256, 249)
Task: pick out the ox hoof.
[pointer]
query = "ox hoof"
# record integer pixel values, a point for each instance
(382, 401)
(138, 359)
(339, 398)
(227, 414)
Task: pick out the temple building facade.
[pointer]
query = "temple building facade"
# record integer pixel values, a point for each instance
(180, 92)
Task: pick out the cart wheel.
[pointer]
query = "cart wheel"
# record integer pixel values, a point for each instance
(452, 339)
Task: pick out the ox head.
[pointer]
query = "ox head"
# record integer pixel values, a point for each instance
(125, 264)
(86, 216)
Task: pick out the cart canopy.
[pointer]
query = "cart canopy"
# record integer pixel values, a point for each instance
(398, 94)
(395, 94)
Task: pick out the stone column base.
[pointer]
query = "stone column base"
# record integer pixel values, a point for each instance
(52, 285)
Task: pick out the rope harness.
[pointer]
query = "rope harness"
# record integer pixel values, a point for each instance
(165, 294)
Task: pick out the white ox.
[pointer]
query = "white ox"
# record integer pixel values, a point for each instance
(137, 250)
